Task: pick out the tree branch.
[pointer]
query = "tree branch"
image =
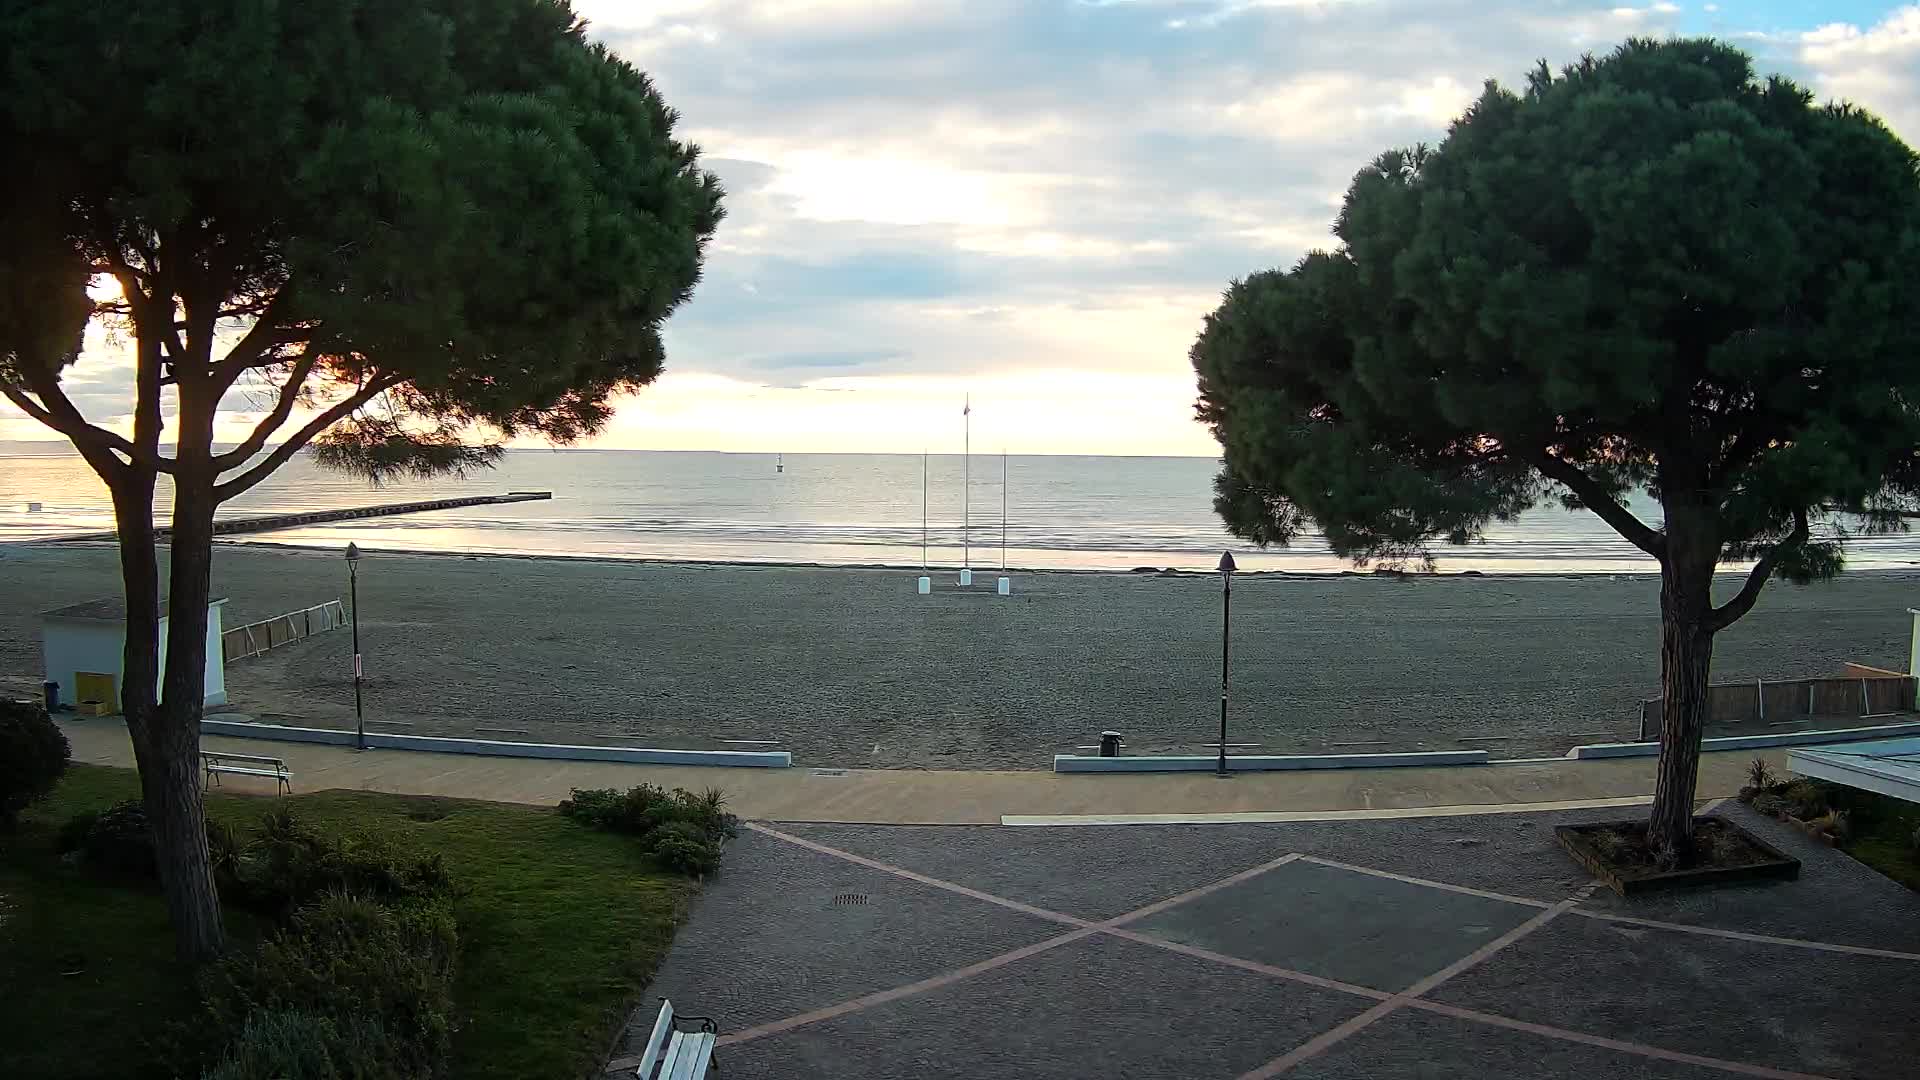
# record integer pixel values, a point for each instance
(265, 333)
(282, 408)
(1730, 612)
(340, 409)
(57, 411)
(1597, 499)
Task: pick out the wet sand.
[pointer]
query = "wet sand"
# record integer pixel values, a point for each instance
(848, 667)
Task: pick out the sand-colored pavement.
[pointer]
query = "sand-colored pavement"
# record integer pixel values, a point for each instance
(905, 796)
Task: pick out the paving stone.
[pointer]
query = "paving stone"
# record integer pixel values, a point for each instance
(1339, 924)
(767, 939)
(1100, 1007)
(1415, 1045)
(1825, 1013)
(1836, 898)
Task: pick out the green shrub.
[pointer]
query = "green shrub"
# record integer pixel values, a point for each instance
(682, 831)
(117, 840)
(380, 975)
(289, 864)
(1806, 799)
(684, 848)
(33, 755)
(290, 1045)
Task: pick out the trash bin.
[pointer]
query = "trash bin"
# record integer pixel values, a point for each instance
(1109, 744)
(52, 692)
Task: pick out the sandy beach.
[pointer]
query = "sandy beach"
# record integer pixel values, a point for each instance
(849, 668)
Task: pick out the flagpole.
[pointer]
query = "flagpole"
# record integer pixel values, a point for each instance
(923, 509)
(966, 485)
(1003, 511)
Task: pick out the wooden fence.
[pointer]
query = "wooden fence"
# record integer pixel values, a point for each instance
(256, 638)
(1784, 701)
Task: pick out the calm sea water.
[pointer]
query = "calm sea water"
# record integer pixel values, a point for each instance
(1060, 512)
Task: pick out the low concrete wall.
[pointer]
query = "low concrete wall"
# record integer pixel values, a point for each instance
(1750, 742)
(633, 755)
(1074, 763)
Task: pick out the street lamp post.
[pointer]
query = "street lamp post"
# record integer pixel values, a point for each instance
(1226, 569)
(353, 594)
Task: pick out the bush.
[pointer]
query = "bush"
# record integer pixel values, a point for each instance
(117, 840)
(682, 831)
(289, 864)
(371, 985)
(33, 755)
(290, 1045)
(684, 848)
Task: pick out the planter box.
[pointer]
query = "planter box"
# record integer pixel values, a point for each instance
(1773, 865)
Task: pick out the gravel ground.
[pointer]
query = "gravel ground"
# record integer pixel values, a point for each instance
(848, 667)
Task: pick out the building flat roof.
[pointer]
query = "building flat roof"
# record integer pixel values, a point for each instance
(1888, 766)
(105, 609)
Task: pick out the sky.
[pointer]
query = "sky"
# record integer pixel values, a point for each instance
(1036, 203)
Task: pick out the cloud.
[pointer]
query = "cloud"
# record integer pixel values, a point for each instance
(1874, 66)
(1044, 198)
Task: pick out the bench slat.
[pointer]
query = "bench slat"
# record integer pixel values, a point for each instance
(274, 773)
(701, 1054)
(213, 755)
(656, 1041)
(679, 1061)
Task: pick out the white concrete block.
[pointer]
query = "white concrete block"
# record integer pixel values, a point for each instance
(966, 577)
(925, 586)
(1005, 587)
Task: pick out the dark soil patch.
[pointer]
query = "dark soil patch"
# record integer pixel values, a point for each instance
(1618, 854)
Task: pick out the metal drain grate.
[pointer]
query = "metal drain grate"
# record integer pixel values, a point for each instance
(850, 899)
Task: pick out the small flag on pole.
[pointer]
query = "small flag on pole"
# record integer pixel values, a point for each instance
(967, 409)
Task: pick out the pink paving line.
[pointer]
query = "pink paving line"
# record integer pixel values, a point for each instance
(1195, 894)
(1642, 1049)
(1763, 939)
(1319, 1044)
(1255, 966)
(1684, 928)
(934, 882)
(1386, 1003)
(854, 1005)
(1086, 929)
(1431, 884)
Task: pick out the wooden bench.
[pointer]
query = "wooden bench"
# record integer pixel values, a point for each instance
(677, 1054)
(217, 762)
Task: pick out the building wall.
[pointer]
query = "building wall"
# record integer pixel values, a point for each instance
(71, 646)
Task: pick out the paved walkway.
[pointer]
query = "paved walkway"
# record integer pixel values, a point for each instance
(907, 796)
(1467, 947)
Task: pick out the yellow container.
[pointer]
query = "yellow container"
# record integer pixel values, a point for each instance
(95, 694)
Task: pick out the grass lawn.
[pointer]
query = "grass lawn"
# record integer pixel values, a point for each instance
(1883, 832)
(560, 928)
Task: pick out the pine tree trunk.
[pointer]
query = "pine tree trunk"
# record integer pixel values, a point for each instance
(170, 776)
(1686, 660)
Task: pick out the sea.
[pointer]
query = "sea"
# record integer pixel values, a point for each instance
(1029, 512)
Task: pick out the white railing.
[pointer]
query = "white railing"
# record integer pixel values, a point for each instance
(256, 638)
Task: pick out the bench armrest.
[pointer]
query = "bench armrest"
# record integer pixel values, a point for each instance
(706, 1024)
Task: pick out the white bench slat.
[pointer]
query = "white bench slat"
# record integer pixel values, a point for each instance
(656, 1041)
(700, 1053)
(275, 773)
(678, 1064)
(213, 755)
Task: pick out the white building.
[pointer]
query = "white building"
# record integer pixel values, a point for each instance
(90, 640)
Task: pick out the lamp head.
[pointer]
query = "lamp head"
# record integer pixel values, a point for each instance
(353, 553)
(1226, 563)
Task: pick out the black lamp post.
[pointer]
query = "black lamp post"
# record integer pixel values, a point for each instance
(353, 593)
(1226, 569)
